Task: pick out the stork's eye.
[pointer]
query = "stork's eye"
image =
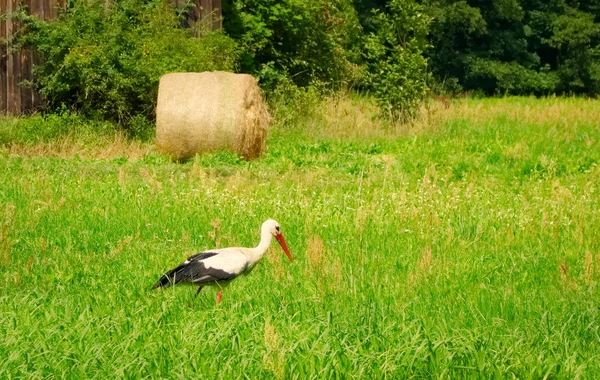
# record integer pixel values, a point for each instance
(277, 228)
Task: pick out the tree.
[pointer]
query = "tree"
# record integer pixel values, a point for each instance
(516, 46)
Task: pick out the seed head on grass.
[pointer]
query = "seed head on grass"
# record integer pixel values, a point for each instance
(423, 268)
(121, 244)
(326, 272)
(588, 272)
(215, 235)
(121, 179)
(566, 279)
(314, 252)
(274, 357)
(150, 181)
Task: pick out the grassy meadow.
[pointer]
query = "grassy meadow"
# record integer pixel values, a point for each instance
(463, 245)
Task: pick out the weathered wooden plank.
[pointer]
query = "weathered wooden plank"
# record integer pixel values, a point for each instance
(25, 72)
(217, 15)
(206, 12)
(204, 22)
(41, 9)
(25, 67)
(14, 68)
(36, 8)
(51, 11)
(3, 59)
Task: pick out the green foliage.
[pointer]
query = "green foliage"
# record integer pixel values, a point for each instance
(323, 45)
(576, 36)
(105, 61)
(307, 42)
(516, 46)
(395, 64)
(508, 78)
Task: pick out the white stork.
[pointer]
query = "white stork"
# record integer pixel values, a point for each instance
(219, 266)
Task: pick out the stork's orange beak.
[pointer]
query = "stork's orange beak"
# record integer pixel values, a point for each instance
(281, 241)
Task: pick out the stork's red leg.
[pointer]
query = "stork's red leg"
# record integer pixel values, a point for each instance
(198, 292)
(219, 296)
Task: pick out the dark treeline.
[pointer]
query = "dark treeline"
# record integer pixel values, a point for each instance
(516, 46)
(496, 47)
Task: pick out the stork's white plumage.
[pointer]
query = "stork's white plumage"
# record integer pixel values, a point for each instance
(219, 266)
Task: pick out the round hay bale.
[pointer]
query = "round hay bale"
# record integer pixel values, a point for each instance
(210, 111)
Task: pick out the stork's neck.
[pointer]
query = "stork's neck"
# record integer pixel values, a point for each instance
(258, 252)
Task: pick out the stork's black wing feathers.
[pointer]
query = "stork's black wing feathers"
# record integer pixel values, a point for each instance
(193, 270)
(202, 255)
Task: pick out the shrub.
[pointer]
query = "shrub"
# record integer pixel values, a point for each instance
(509, 78)
(308, 43)
(105, 61)
(394, 58)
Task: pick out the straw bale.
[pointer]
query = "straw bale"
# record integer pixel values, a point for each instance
(210, 111)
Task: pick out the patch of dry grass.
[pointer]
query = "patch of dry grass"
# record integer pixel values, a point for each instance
(104, 147)
(351, 117)
(560, 112)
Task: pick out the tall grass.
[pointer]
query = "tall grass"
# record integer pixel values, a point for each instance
(465, 245)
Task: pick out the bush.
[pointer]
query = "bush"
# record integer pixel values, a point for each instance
(308, 43)
(394, 58)
(494, 77)
(106, 61)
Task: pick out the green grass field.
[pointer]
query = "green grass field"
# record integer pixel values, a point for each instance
(465, 245)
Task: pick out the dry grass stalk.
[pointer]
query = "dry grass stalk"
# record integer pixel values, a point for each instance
(588, 273)
(5, 245)
(362, 217)
(277, 265)
(558, 112)
(567, 280)
(210, 111)
(121, 179)
(423, 268)
(239, 183)
(121, 244)
(315, 250)
(274, 357)
(29, 264)
(58, 205)
(430, 178)
(6, 242)
(214, 234)
(149, 179)
(358, 118)
(517, 152)
(328, 273)
(185, 237)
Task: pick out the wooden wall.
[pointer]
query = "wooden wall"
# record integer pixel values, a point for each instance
(16, 67)
(207, 14)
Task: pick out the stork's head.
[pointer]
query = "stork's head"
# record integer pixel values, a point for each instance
(273, 227)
